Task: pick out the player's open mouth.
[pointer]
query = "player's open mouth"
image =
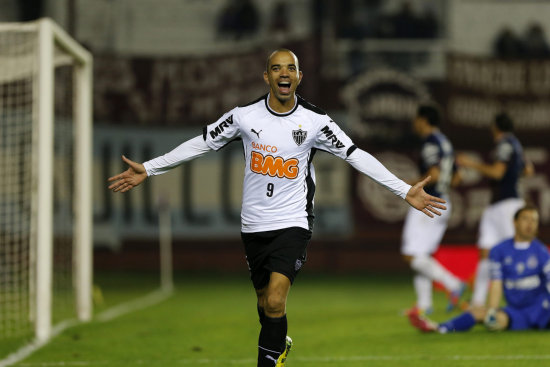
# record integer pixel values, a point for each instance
(284, 87)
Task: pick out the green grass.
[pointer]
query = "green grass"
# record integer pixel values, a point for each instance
(334, 321)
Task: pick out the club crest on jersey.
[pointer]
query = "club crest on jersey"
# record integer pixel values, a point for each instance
(299, 136)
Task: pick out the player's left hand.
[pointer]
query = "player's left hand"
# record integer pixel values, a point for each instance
(427, 204)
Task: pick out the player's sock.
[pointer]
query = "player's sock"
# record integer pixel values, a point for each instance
(428, 266)
(272, 340)
(481, 285)
(423, 288)
(464, 321)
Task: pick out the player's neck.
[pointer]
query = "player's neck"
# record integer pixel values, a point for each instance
(499, 135)
(276, 105)
(522, 239)
(429, 131)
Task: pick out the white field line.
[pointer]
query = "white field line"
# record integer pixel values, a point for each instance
(320, 360)
(107, 315)
(134, 305)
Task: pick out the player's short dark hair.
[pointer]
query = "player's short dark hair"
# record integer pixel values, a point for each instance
(527, 207)
(430, 112)
(504, 122)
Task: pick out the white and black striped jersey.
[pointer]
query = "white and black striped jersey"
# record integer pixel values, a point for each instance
(509, 151)
(437, 150)
(279, 179)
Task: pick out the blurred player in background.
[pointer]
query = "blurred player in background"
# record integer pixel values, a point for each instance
(280, 133)
(422, 235)
(520, 270)
(504, 173)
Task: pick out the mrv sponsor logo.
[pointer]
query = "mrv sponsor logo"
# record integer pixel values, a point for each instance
(219, 129)
(330, 135)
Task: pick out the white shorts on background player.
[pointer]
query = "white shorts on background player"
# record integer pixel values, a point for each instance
(422, 234)
(497, 222)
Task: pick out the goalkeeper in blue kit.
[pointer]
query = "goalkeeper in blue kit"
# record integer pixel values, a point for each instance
(520, 271)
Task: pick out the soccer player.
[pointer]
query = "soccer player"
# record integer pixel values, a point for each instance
(504, 173)
(280, 133)
(421, 235)
(520, 270)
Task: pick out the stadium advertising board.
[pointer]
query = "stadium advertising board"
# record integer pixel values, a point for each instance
(184, 91)
(382, 105)
(479, 87)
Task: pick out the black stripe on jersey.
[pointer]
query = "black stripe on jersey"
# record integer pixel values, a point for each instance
(229, 142)
(255, 101)
(204, 132)
(310, 185)
(305, 104)
(351, 150)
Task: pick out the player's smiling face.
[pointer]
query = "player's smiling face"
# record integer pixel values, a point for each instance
(283, 75)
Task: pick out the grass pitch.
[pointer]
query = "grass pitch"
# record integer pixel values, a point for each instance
(335, 321)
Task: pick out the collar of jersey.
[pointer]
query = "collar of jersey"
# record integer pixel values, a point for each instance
(281, 114)
(521, 245)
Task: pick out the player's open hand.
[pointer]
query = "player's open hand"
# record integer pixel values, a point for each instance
(127, 180)
(427, 204)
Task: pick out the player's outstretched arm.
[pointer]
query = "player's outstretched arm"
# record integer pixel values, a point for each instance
(427, 204)
(127, 180)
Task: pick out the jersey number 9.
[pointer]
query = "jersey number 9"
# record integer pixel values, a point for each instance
(270, 188)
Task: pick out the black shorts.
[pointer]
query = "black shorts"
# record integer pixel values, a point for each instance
(282, 251)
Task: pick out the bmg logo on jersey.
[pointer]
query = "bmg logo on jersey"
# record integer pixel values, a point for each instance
(274, 166)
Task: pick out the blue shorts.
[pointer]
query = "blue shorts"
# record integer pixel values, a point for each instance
(536, 316)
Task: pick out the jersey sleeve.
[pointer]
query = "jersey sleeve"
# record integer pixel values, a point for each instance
(223, 131)
(495, 264)
(370, 166)
(186, 151)
(504, 151)
(431, 154)
(332, 139)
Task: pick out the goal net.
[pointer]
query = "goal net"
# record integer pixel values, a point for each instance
(45, 194)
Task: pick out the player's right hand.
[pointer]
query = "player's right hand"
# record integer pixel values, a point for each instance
(127, 180)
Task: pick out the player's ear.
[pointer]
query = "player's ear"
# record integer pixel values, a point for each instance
(300, 75)
(266, 78)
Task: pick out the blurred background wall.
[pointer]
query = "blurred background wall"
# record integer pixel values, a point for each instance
(164, 69)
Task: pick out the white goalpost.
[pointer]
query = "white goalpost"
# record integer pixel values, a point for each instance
(45, 184)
